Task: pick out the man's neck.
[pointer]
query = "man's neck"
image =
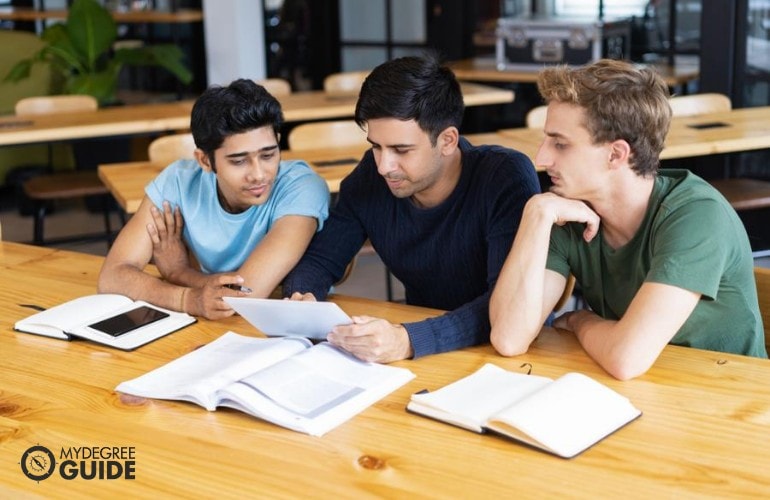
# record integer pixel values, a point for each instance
(624, 210)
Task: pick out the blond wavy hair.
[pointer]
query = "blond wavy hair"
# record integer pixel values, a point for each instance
(621, 101)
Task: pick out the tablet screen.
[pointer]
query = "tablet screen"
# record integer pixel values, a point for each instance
(128, 321)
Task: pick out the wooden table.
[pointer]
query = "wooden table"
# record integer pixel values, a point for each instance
(131, 16)
(703, 431)
(126, 181)
(484, 69)
(175, 116)
(746, 129)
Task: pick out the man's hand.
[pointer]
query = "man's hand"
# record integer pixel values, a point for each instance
(302, 296)
(562, 210)
(373, 339)
(207, 301)
(169, 251)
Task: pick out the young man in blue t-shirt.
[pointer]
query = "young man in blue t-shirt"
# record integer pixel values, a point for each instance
(235, 216)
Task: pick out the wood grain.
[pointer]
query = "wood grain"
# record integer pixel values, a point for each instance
(706, 416)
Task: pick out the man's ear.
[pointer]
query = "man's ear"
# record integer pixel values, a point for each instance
(620, 153)
(203, 160)
(448, 140)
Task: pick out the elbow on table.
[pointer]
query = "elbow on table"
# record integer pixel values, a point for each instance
(509, 343)
(626, 367)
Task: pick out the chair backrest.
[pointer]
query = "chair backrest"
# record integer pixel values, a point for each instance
(51, 104)
(344, 84)
(170, 148)
(699, 104)
(276, 86)
(323, 135)
(536, 117)
(762, 277)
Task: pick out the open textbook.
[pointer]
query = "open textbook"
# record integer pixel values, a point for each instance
(110, 319)
(287, 381)
(563, 416)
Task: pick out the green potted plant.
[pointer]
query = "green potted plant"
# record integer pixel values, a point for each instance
(80, 51)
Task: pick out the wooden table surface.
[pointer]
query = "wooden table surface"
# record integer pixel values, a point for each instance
(174, 116)
(131, 16)
(484, 69)
(703, 433)
(745, 129)
(126, 181)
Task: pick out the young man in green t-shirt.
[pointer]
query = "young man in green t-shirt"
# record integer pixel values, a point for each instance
(660, 256)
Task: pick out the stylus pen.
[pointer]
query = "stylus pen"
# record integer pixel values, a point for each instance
(239, 288)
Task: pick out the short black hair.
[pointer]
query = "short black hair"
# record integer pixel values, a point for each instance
(224, 111)
(412, 88)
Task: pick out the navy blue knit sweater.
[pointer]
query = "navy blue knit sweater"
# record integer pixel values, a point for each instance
(448, 256)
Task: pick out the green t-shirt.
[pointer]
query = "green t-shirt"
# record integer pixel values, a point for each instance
(690, 238)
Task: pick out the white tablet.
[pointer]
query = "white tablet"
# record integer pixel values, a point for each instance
(281, 318)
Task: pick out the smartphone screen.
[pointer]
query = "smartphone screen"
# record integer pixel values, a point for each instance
(128, 321)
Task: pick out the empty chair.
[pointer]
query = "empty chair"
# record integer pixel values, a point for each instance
(699, 104)
(344, 84)
(762, 277)
(65, 185)
(536, 117)
(170, 148)
(42, 105)
(323, 135)
(276, 86)
(742, 193)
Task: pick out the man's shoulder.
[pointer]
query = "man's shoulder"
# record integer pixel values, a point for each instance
(491, 160)
(682, 187)
(184, 171)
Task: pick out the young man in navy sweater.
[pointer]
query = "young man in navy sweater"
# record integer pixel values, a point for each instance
(441, 214)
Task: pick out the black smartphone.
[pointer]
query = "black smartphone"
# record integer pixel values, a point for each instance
(128, 321)
(702, 126)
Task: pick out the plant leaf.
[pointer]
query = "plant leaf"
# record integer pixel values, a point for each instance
(168, 57)
(101, 85)
(91, 30)
(19, 71)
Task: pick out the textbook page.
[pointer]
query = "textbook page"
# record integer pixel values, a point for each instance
(198, 375)
(470, 401)
(315, 390)
(567, 416)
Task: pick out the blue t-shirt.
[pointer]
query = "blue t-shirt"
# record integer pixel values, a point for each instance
(222, 241)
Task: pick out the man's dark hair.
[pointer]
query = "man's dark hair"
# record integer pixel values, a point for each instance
(224, 111)
(412, 88)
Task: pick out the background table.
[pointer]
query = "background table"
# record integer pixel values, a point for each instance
(175, 116)
(744, 129)
(126, 181)
(703, 431)
(484, 69)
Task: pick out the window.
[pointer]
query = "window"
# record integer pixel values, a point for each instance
(590, 8)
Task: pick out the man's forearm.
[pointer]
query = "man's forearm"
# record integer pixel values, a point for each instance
(465, 326)
(516, 307)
